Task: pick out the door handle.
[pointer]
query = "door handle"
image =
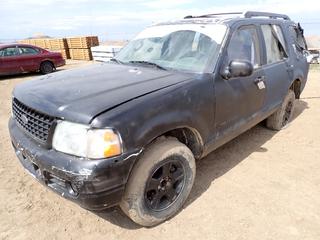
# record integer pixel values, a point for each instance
(259, 79)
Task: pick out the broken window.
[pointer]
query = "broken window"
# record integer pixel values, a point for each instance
(296, 33)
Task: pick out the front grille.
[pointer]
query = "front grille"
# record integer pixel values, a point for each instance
(35, 123)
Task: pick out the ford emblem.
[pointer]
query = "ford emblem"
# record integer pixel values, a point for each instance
(24, 119)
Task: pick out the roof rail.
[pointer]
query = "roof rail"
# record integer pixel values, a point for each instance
(251, 14)
(213, 15)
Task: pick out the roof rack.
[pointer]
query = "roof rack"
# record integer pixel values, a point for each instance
(213, 15)
(249, 14)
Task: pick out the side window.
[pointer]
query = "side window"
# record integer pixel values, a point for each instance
(9, 52)
(274, 48)
(28, 51)
(244, 45)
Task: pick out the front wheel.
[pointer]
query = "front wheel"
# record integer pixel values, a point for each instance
(282, 116)
(160, 183)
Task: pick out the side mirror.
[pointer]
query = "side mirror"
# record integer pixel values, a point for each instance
(237, 69)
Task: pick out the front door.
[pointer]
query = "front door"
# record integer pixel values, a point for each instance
(239, 100)
(8, 60)
(28, 58)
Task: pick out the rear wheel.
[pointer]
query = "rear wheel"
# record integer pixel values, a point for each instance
(160, 183)
(46, 67)
(282, 116)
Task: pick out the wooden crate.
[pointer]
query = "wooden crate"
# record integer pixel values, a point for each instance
(82, 42)
(57, 44)
(81, 54)
(40, 43)
(28, 41)
(64, 52)
(47, 43)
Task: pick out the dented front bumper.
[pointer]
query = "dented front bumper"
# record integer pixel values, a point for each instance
(94, 184)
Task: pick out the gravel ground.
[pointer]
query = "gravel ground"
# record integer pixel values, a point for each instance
(261, 185)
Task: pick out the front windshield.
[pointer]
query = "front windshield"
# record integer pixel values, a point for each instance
(183, 47)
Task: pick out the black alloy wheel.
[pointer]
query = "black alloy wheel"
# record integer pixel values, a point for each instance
(164, 185)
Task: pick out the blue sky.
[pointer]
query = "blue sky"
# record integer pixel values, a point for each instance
(120, 19)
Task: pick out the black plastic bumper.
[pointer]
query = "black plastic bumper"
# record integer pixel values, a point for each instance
(93, 184)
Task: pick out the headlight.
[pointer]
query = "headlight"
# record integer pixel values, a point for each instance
(80, 140)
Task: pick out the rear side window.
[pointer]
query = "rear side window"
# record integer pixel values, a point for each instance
(8, 52)
(244, 45)
(28, 51)
(275, 44)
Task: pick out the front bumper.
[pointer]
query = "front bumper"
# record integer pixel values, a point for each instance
(93, 184)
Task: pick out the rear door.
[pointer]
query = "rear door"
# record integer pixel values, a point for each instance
(240, 99)
(28, 58)
(276, 65)
(8, 60)
(298, 56)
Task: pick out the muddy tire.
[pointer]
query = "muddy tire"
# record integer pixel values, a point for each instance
(46, 67)
(282, 116)
(160, 182)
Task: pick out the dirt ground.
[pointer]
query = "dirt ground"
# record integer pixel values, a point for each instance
(261, 185)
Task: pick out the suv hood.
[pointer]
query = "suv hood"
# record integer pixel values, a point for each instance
(80, 94)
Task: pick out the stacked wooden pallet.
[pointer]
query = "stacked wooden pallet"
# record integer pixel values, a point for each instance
(59, 45)
(82, 42)
(36, 42)
(64, 52)
(80, 54)
(80, 47)
(53, 44)
(39, 42)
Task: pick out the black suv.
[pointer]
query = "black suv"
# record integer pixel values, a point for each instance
(128, 132)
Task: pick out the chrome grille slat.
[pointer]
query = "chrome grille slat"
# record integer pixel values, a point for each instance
(38, 124)
(30, 115)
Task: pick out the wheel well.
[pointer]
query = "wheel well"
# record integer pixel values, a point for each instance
(48, 62)
(296, 87)
(191, 138)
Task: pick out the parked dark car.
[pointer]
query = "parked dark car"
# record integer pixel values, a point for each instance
(128, 133)
(20, 58)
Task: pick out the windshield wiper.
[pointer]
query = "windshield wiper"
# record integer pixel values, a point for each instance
(149, 63)
(116, 60)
